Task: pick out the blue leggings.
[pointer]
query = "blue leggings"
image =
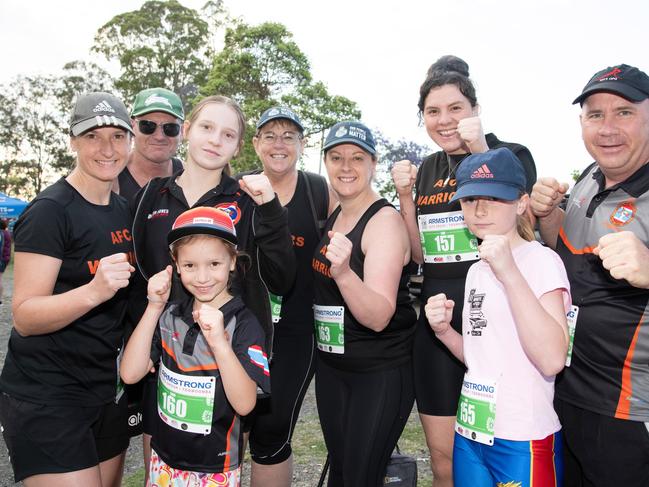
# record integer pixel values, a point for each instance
(536, 463)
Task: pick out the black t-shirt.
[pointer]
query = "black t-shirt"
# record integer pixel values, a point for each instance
(75, 365)
(435, 186)
(181, 347)
(297, 305)
(128, 186)
(364, 349)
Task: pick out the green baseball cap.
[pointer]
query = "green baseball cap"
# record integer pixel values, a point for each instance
(158, 100)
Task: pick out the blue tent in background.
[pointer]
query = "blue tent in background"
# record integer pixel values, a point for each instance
(11, 208)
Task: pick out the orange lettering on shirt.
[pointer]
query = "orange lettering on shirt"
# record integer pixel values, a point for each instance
(92, 266)
(297, 241)
(439, 183)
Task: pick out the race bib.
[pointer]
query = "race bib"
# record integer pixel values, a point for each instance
(571, 318)
(476, 411)
(186, 402)
(330, 328)
(446, 238)
(275, 307)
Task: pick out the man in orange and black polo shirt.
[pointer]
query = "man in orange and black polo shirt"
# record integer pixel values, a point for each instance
(602, 397)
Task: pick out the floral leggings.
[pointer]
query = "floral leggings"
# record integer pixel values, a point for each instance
(162, 475)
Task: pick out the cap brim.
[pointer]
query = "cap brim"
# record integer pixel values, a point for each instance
(100, 121)
(164, 110)
(615, 87)
(186, 230)
(493, 190)
(350, 140)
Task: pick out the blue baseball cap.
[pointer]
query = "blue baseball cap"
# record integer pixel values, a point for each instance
(497, 173)
(275, 113)
(350, 133)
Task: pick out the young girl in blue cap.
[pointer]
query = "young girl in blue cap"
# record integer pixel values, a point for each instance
(514, 336)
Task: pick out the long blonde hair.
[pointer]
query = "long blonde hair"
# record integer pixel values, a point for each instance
(223, 100)
(524, 226)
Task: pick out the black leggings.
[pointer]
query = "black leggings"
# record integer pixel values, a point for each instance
(362, 416)
(291, 372)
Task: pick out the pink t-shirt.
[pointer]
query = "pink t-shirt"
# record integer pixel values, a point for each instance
(492, 349)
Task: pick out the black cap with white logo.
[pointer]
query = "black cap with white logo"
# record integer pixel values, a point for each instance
(98, 109)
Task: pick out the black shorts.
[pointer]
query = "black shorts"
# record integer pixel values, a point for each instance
(600, 451)
(134, 394)
(274, 418)
(58, 439)
(149, 403)
(438, 374)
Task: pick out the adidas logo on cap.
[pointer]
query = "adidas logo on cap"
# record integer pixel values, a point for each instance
(483, 172)
(103, 106)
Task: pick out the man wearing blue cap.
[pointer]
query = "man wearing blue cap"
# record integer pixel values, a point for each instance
(279, 144)
(602, 397)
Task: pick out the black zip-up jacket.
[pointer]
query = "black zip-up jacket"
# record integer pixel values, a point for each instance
(262, 231)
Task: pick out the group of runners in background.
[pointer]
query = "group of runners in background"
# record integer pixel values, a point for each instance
(216, 298)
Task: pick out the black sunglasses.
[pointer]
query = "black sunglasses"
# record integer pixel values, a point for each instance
(147, 127)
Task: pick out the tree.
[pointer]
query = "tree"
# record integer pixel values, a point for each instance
(162, 44)
(34, 135)
(390, 152)
(261, 66)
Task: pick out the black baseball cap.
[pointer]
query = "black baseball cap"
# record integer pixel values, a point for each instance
(624, 80)
(497, 173)
(98, 109)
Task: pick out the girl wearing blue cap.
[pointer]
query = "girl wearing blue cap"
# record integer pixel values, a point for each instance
(514, 337)
(363, 316)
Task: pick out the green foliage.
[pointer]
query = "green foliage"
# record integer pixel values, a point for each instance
(33, 134)
(261, 66)
(162, 44)
(390, 152)
(34, 137)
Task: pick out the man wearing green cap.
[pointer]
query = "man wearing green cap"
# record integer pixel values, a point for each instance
(157, 118)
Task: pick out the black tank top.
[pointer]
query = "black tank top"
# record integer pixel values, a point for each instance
(297, 306)
(128, 186)
(365, 350)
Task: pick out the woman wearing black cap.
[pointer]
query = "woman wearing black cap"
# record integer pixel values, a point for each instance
(363, 316)
(449, 109)
(73, 249)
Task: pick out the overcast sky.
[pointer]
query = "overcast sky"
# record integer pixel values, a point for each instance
(528, 58)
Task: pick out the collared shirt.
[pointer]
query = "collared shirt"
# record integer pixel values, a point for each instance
(609, 372)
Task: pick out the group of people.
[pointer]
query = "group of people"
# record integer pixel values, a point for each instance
(209, 301)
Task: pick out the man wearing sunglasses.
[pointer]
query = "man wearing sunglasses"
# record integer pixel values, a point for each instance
(157, 118)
